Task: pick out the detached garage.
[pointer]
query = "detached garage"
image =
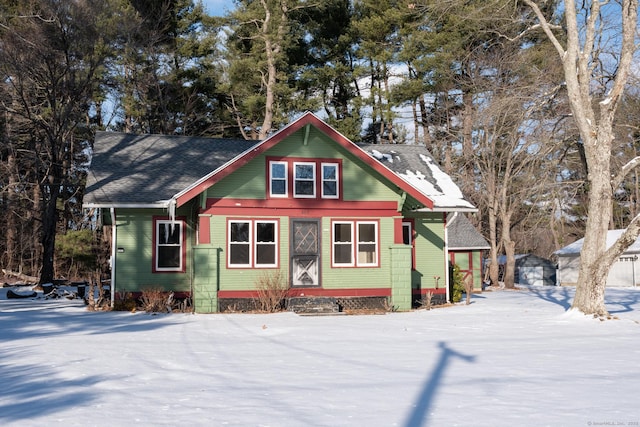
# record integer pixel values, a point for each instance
(530, 270)
(624, 272)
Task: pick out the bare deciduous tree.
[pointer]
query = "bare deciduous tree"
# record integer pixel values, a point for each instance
(581, 52)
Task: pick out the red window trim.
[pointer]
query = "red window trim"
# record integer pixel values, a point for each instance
(290, 177)
(354, 222)
(253, 247)
(154, 267)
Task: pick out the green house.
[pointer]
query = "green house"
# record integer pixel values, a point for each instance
(212, 219)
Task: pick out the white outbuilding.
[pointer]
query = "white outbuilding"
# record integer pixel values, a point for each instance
(624, 272)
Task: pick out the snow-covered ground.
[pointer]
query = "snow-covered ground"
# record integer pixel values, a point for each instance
(511, 358)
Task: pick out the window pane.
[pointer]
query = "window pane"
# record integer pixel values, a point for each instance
(168, 256)
(342, 233)
(304, 188)
(169, 234)
(366, 233)
(343, 254)
(329, 172)
(239, 254)
(266, 254)
(304, 172)
(330, 188)
(239, 231)
(366, 253)
(278, 187)
(265, 232)
(278, 170)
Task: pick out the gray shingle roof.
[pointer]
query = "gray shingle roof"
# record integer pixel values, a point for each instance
(462, 234)
(129, 169)
(147, 169)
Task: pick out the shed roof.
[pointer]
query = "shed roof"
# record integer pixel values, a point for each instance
(575, 248)
(462, 235)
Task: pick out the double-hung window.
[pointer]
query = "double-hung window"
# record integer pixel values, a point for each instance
(253, 243)
(278, 176)
(355, 243)
(169, 246)
(367, 243)
(330, 180)
(304, 179)
(240, 243)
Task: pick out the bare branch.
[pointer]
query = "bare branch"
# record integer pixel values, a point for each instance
(626, 169)
(546, 27)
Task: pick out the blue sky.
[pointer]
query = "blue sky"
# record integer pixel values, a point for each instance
(218, 7)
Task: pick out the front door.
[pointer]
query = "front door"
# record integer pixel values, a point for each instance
(305, 252)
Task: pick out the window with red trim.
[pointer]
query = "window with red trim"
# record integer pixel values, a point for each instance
(169, 250)
(252, 243)
(355, 243)
(304, 178)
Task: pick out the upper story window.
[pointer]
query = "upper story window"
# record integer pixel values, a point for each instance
(330, 180)
(278, 182)
(304, 179)
(169, 248)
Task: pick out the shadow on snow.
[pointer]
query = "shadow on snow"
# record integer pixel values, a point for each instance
(420, 415)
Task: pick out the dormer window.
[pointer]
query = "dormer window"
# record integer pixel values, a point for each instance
(330, 180)
(304, 178)
(278, 173)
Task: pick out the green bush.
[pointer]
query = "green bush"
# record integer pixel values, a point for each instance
(458, 284)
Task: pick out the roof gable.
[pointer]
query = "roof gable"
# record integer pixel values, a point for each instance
(307, 119)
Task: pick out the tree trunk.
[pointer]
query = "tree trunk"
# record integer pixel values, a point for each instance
(594, 266)
(11, 208)
(510, 264)
(494, 268)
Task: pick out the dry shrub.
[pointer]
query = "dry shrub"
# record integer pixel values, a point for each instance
(155, 300)
(468, 287)
(124, 301)
(272, 290)
(426, 300)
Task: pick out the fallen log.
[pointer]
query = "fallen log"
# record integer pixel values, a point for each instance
(23, 277)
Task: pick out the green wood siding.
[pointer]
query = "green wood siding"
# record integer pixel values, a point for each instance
(134, 269)
(430, 258)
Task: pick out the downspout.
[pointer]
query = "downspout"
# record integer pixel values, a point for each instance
(114, 235)
(447, 260)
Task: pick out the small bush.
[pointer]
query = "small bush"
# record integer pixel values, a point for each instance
(156, 300)
(124, 301)
(426, 300)
(272, 290)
